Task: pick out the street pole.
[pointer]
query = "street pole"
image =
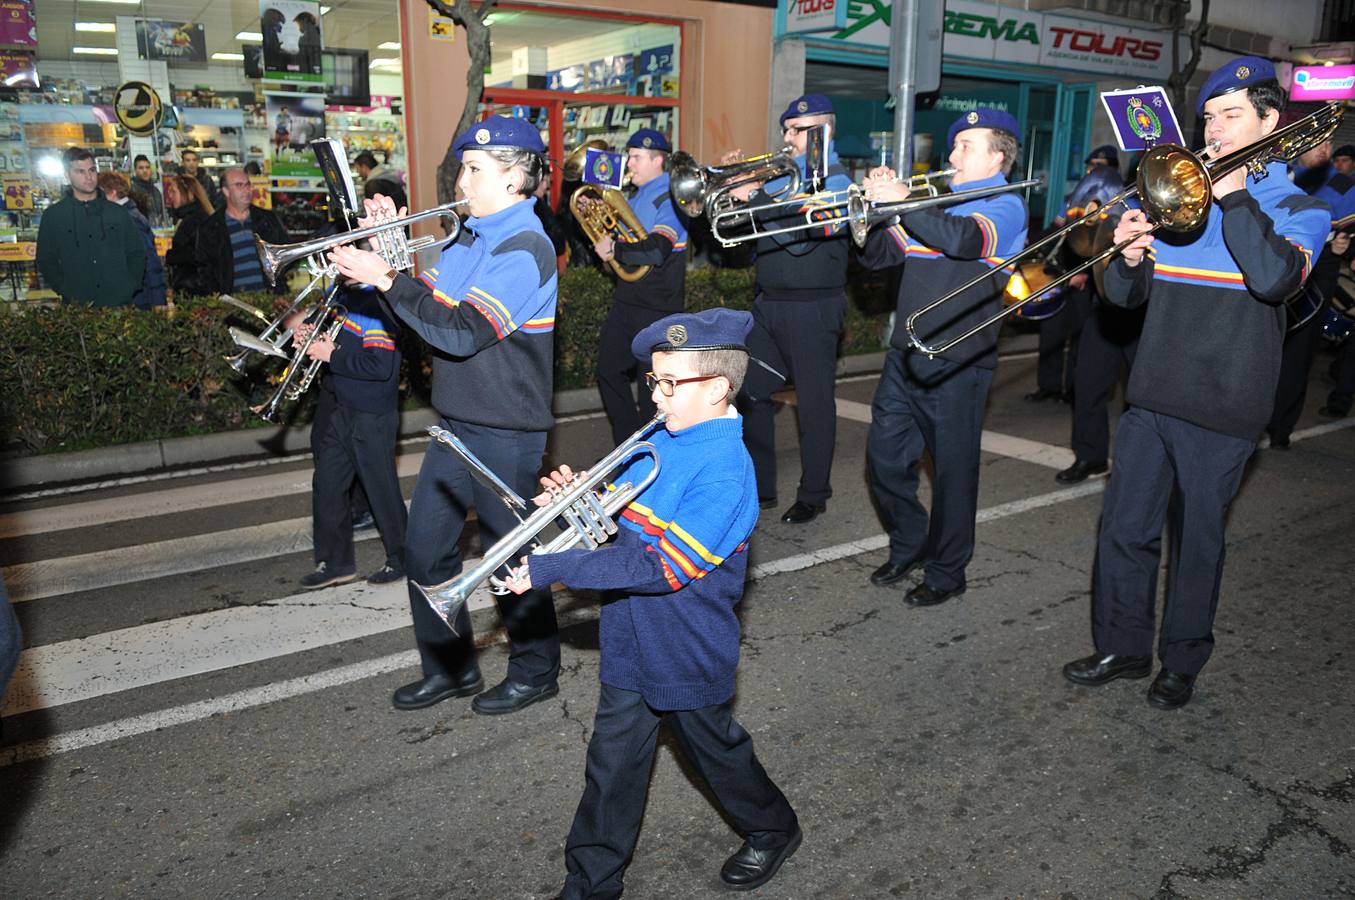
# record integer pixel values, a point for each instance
(903, 26)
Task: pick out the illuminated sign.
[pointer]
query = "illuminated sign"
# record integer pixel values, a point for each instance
(1323, 83)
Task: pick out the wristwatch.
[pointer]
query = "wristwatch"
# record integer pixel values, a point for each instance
(389, 276)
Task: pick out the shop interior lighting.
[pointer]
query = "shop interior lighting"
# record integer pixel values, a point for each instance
(50, 167)
(96, 51)
(388, 45)
(383, 63)
(324, 9)
(101, 27)
(252, 36)
(229, 57)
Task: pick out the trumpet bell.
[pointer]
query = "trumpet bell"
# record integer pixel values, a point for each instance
(1174, 187)
(687, 184)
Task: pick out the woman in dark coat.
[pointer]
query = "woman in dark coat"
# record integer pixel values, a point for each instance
(189, 206)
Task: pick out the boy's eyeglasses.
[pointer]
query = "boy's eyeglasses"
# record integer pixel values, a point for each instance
(668, 385)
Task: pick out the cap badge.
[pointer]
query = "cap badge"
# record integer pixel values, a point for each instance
(677, 335)
(972, 118)
(482, 136)
(802, 106)
(647, 142)
(1242, 72)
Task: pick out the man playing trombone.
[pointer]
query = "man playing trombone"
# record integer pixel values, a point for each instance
(1200, 392)
(937, 404)
(797, 321)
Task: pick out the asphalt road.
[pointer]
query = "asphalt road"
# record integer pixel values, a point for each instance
(187, 724)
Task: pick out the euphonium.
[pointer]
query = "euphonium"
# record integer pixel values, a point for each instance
(604, 211)
(589, 517)
(696, 188)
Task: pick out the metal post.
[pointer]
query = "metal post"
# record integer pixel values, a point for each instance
(903, 22)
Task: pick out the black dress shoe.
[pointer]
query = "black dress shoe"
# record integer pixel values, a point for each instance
(1171, 690)
(1102, 667)
(1042, 394)
(434, 689)
(926, 595)
(1331, 412)
(892, 572)
(1080, 471)
(749, 868)
(801, 512)
(1279, 442)
(511, 696)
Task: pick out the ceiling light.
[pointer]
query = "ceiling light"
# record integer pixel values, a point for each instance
(325, 9)
(96, 51)
(101, 27)
(236, 57)
(249, 36)
(388, 45)
(383, 63)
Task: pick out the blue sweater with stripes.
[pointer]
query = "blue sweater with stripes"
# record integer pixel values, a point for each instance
(677, 566)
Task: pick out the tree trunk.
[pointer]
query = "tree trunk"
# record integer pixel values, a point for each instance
(1181, 75)
(472, 19)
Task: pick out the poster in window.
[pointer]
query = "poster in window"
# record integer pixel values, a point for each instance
(18, 28)
(294, 120)
(18, 70)
(171, 41)
(292, 41)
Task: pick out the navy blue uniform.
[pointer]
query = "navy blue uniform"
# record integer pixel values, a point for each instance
(357, 419)
(937, 405)
(1201, 391)
(638, 304)
(798, 312)
(488, 309)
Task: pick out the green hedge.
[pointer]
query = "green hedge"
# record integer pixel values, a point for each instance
(79, 377)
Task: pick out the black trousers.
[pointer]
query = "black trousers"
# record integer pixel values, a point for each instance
(618, 369)
(350, 444)
(443, 496)
(1055, 372)
(620, 757)
(944, 417)
(1300, 346)
(798, 339)
(1343, 393)
(1166, 469)
(1109, 340)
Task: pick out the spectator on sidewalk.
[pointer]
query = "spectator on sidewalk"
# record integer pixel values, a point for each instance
(379, 179)
(117, 189)
(147, 191)
(192, 167)
(226, 257)
(189, 207)
(88, 248)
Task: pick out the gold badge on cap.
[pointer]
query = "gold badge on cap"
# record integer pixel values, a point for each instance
(677, 335)
(802, 106)
(1242, 72)
(482, 136)
(647, 142)
(972, 118)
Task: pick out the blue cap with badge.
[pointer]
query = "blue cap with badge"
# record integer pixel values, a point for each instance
(808, 105)
(648, 139)
(984, 117)
(500, 133)
(1234, 75)
(711, 329)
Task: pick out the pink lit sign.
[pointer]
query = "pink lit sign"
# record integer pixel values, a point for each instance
(1323, 83)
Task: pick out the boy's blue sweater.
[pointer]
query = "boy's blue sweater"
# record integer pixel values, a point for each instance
(679, 559)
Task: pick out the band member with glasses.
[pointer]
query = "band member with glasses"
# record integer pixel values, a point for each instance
(798, 313)
(670, 635)
(488, 310)
(638, 304)
(1200, 393)
(938, 404)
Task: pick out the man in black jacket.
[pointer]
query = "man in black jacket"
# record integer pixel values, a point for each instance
(379, 179)
(226, 257)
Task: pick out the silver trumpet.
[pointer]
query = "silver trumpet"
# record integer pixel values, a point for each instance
(326, 322)
(589, 516)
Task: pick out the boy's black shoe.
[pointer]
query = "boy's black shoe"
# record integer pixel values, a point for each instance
(926, 595)
(801, 512)
(322, 577)
(1171, 690)
(1100, 668)
(511, 696)
(749, 868)
(433, 689)
(892, 572)
(1080, 471)
(385, 575)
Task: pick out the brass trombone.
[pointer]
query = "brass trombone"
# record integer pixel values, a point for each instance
(696, 188)
(1174, 187)
(604, 211)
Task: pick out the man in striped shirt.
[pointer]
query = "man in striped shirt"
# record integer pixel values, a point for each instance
(226, 258)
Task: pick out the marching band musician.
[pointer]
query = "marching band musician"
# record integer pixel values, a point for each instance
(488, 309)
(1200, 392)
(638, 304)
(798, 313)
(938, 404)
(357, 421)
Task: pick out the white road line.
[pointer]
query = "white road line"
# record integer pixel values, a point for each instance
(144, 655)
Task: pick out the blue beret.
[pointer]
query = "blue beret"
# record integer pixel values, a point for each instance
(1100, 184)
(648, 139)
(500, 133)
(808, 105)
(1106, 152)
(984, 117)
(1233, 76)
(711, 329)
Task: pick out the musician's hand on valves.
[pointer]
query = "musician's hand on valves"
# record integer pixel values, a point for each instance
(1134, 224)
(740, 192)
(553, 483)
(380, 208)
(519, 580)
(605, 248)
(361, 266)
(883, 187)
